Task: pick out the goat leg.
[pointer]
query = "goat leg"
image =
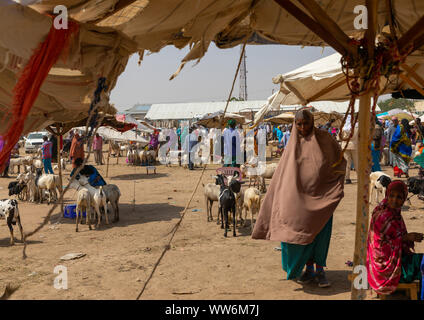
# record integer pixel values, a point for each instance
(226, 221)
(77, 218)
(88, 212)
(234, 221)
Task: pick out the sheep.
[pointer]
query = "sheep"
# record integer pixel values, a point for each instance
(112, 193)
(227, 201)
(98, 195)
(62, 164)
(266, 174)
(37, 164)
(15, 162)
(29, 179)
(378, 184)
(250, 172)
(151, 156)
(211, 192)
(258, 174)
(9, 211)
(84, 203)
(45, 182)
(252, 202)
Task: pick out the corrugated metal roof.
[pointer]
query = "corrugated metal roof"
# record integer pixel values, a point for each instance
(190, 110)
(142, 108)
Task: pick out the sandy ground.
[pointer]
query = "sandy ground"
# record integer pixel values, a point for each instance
(201, 263)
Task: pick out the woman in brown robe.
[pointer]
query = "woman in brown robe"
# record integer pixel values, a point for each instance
(305, 190)
(77, 149)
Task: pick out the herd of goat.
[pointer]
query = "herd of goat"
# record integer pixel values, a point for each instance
(33, 185)
(232, 198)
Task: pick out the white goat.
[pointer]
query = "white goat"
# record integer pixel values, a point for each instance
(112, 193)
(211, 192)
(98, 195)
(45, 182)
(252, 202)
(84, 203)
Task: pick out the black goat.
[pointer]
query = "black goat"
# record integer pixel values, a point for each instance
(227, 202)
(16, 187)
(416, 186)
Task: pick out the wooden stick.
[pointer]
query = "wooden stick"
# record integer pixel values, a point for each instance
(312, 25)
(372, 26)
(331, 27)
(108, 157)
(362, 200)
(416, 31)
(327, 90)
(59, 165)
(411, 71)
(411, 83)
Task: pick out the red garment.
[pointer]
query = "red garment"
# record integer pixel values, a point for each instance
(77, 149)
(385, 246)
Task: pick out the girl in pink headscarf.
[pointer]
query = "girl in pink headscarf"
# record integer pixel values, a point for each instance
(390, 256)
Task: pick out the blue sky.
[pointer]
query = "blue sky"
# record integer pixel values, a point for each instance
(211, 78)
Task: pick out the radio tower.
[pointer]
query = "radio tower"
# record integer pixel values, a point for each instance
(243, 79)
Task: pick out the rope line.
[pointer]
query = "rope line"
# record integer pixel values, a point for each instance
(177, 225)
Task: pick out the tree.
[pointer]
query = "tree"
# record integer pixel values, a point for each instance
(392, 103)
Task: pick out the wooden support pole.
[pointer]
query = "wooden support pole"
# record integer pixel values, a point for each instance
(414, 33)
(59, 165)
(362, 199)
(328, 24)
(315, 27)
(372, 6)
(108, 157)
(411, 83)
(411, 72)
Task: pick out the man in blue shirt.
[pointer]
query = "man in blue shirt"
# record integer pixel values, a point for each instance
(46, 150)
(94, 177)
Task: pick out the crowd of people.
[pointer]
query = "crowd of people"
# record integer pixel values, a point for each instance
(306, 189)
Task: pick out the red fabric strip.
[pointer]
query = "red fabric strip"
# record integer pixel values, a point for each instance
(29, 83)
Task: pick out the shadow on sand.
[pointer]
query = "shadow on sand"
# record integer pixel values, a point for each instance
(138, 176)
(338, 280)
(130, 214)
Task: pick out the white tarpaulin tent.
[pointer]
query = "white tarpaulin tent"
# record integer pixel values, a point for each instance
(114, 135)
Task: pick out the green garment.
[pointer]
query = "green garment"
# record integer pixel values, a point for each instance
(411, 264)
(295, 256)
(233, 163)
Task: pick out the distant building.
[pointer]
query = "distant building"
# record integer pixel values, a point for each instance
(170, 114)
(139, 111)
(419, 106)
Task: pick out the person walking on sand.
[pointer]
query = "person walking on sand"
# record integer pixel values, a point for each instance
(97, 148)
(304, 192)
(46, 151)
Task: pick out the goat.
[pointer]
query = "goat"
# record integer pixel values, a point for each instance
(239, 196)
(84, 203)
(98, 195)
(9, 211)
(252, 202)
(227, 202)
(211, 192)
(45, 182)
(62, 164)
(17, 188)
(112, 193)
(378, 184)
(267, 173)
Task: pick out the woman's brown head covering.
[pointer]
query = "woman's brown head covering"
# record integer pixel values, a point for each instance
(304, 191)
